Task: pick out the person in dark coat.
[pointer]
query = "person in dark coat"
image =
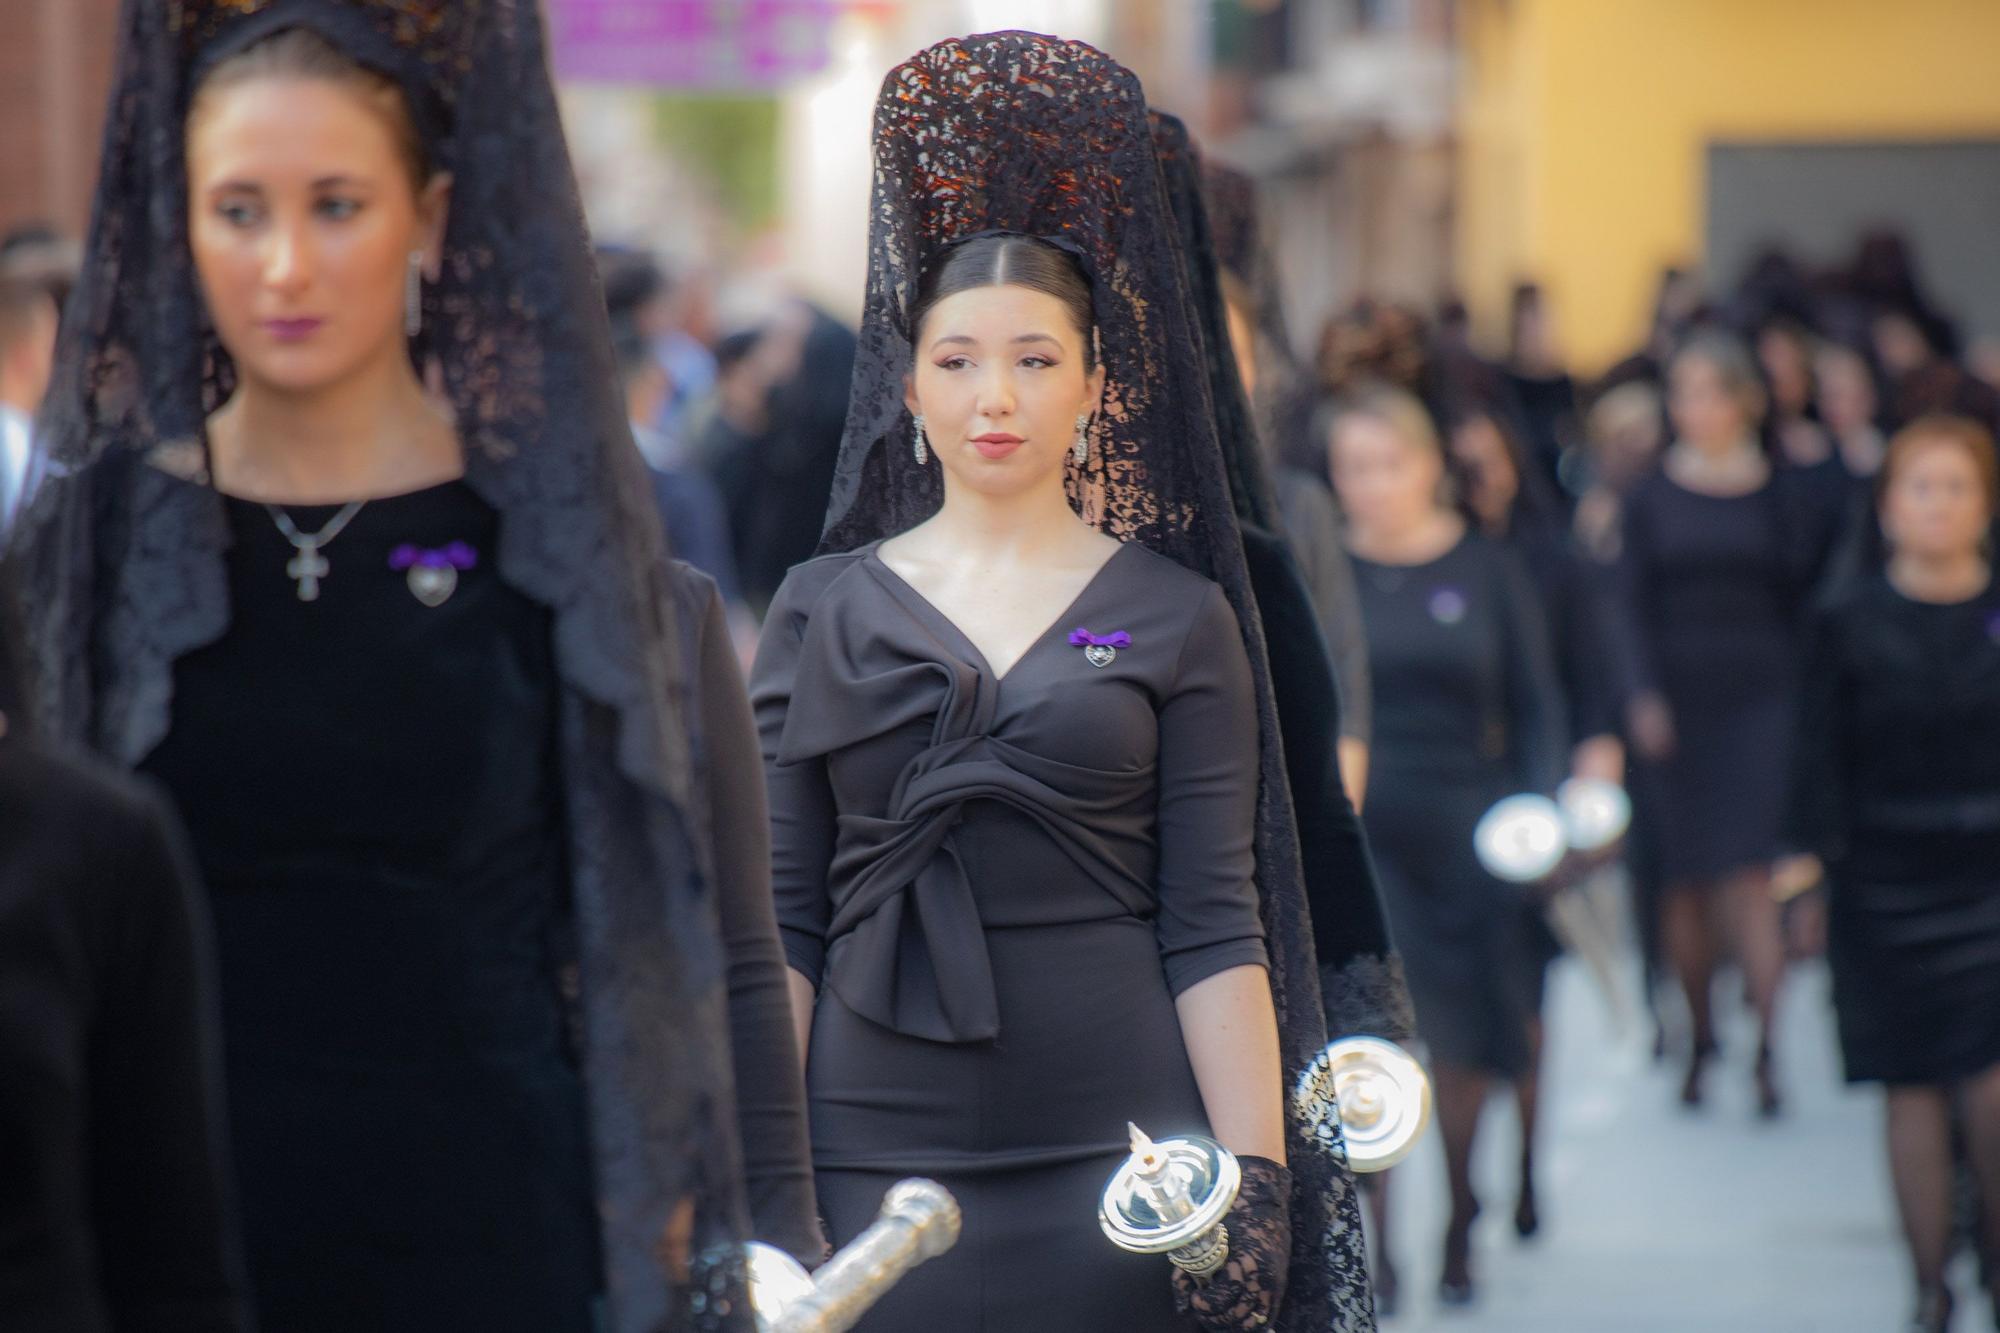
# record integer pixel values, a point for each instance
(114, 1192)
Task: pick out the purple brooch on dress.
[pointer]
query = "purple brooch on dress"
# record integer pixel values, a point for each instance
(1099, 649)
(433, 571)
(1447, 606)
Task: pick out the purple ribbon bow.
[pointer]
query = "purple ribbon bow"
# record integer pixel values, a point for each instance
(455, 556)
(1083, 638)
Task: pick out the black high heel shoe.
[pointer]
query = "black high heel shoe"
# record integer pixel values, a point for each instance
(1455, 1287)
(1388, 1288)
(1770, 1102)
(1691, 1090)
(1934, 1307)
(1527, 1219)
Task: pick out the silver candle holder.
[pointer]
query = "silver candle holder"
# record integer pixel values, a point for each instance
(1170, 1198)
(1376, 1090)
(919, 1221)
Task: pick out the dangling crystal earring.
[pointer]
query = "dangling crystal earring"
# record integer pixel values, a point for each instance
(413, 296)
(1080, 451)
(923, 446)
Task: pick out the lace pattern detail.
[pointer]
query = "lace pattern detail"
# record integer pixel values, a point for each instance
(1246, 1293)
(1023, 133)
(1368, 996)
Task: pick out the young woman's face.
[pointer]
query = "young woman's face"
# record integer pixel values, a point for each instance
(1935, 507)
(1706, 414)
(1386, 483)
(1000, 382)
(302, 219)
(1488, 464)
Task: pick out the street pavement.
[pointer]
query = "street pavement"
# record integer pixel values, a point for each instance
(1656, 1219)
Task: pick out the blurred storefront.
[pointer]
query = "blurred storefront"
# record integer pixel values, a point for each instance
(1599, 141)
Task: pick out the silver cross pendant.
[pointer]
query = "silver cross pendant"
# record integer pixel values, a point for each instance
(308, 567)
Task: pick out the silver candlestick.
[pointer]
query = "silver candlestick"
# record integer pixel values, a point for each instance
(1170, 1198)
(1377, 1091)
(919, 1221)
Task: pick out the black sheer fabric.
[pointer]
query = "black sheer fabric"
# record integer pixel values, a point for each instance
(1014, 132)
(1361, 976)
(1284, 401)
(126, 576)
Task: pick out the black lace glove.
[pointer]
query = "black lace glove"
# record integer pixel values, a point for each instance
(1246, 1292)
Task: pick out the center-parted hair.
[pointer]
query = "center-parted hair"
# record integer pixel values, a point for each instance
(1010, 261)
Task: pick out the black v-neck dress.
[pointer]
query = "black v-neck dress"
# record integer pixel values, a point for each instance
(1000, 885)
(370, 782)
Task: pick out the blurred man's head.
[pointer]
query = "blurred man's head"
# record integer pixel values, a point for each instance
(27, 343)
(640, 374)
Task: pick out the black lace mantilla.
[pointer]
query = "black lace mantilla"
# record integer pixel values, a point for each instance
(1024, 133)
(125, 551)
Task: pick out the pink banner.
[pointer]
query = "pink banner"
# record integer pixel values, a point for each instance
(711, 44)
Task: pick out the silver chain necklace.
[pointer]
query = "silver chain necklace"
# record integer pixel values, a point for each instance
(308, 566)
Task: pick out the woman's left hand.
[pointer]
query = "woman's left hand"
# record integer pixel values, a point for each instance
(1246, 1292)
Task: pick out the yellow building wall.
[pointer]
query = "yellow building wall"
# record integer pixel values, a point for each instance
(1583, 126)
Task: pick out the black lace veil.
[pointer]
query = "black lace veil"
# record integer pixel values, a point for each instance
(125, 544)
(1283, 402)
(1361, 975)
(1015, 132)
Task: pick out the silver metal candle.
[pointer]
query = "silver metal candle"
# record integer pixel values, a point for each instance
(1170, 1198)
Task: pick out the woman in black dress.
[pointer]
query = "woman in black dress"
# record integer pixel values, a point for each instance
(1717, 552)
(1515, 507)
(1024, 775)
(1898, 791)
(447, 730)
(1468, 710)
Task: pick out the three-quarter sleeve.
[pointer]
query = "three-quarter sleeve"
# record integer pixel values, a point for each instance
(802, 824)
(1208, 773)
(164, 1232)
(1538, 721)
(770, 1092)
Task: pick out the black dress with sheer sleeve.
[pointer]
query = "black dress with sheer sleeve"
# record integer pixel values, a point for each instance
(1000, 885)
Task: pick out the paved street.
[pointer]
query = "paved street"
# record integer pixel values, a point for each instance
(1657, 1220)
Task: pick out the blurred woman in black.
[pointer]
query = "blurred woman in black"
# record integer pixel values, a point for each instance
(1468, 710)
(1717, 550)
(1898, 790)
(1516, 507)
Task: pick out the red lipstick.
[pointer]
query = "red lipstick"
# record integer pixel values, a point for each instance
(996, 444)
